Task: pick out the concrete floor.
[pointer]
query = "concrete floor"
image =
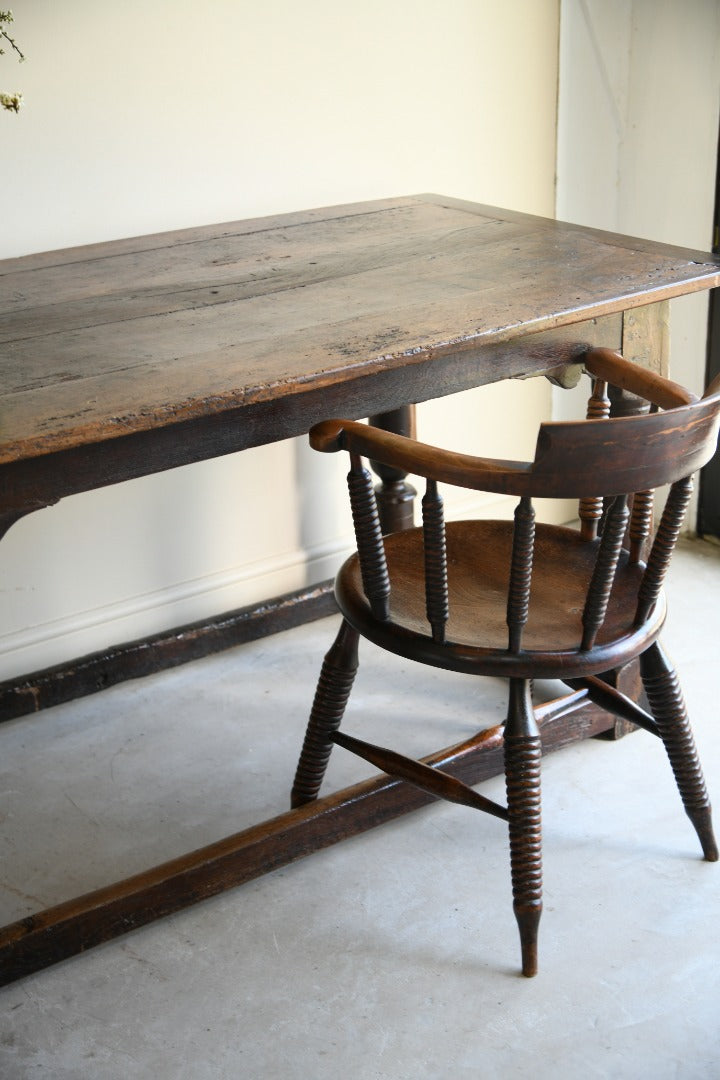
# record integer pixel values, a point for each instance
(395, 955)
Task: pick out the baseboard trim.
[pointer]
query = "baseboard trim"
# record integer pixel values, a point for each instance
(170, 648)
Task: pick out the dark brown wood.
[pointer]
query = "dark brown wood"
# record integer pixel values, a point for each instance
(668, 705)
(435, 781)
(645, 341)
(369, 536)
(522, 756)
(479, 555)
(628, 681)
(395, 496)
(607, 696)
(663, 546)
(136, 659)
(10, 516)
(521, 563)
(603, 578)
(33, 482)
(436, 584)
(63, 931)
(591, 508)
(640, 523)
(577, 607)
(649, 386)
(331, 696)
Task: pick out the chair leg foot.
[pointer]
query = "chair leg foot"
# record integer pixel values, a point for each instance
(702, 823)
(523, 753)
(331, 697)
(668, 707)
(528, 920)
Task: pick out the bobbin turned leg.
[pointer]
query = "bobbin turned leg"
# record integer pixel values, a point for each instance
(668, 707)
(522, 779)
(333, 690)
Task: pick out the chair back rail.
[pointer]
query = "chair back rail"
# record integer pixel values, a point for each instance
(573, 459)
(625, 454)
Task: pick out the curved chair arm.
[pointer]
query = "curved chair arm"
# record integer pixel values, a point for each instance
(615, 369)
(445, 466)
(573, 459)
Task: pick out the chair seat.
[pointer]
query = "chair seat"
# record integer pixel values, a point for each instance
(478, 560)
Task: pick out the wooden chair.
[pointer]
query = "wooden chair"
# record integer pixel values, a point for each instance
(526, 601)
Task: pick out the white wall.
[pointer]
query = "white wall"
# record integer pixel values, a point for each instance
(637, 135)
(162, 114)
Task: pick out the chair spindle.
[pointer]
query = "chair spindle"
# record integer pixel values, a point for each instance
(640, 523)
(663, 546)
(371, 552)
(436, 584)
(520, 572)
(603, 576)
(591, 509)
(641, 518)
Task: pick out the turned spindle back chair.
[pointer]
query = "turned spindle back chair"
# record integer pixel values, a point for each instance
(526, 601)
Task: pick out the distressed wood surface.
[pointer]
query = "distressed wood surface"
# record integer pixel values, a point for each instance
(129, 336)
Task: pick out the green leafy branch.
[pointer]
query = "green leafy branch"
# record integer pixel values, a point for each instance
(11, 102)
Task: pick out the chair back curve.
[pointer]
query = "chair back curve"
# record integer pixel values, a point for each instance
(573, 459)
(610, 464)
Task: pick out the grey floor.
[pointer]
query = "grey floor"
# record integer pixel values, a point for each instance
(394, 955)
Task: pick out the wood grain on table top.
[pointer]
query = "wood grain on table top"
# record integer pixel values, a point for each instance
(128, 335)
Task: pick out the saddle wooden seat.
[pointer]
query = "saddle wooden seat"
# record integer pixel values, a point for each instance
(526, 601)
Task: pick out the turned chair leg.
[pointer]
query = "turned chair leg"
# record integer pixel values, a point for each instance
(668, 707)
(522, 778)
(333, 690)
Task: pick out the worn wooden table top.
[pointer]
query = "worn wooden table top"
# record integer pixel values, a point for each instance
(158, 332)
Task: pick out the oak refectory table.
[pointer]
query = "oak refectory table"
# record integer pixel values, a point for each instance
(131, 357)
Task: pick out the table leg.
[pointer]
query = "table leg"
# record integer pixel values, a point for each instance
(395, 497)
